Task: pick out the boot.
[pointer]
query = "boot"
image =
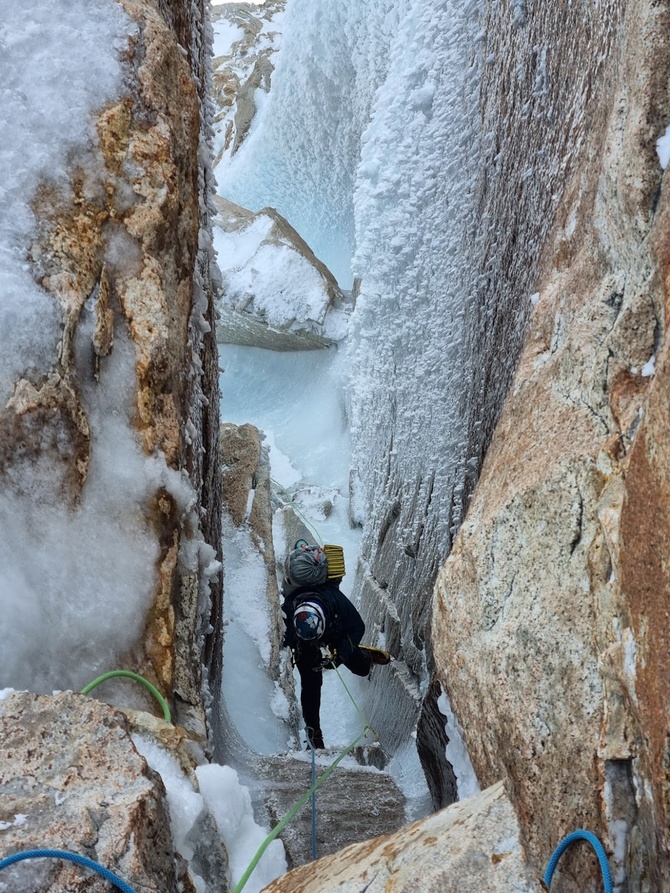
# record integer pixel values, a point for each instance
(315, 738)
(376, 655)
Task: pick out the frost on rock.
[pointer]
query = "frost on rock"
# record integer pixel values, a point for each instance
(246, 40)
(48, 95)
(301, 154)
(108, 369)
(58, 439)
(275, 292)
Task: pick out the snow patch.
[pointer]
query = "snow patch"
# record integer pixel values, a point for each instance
(230, 804)
(663, 148)
(19, 820)
(225, 35)
(649, 367)
(184, 803)
(456, 751)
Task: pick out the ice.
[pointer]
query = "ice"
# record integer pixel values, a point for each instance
(295, 397)
(59, 564)
(230, 804)
(456, 752)
(333, 57)
(368, 145)
(246, 650)
(77, 576)
(184, 803)
(663, 148)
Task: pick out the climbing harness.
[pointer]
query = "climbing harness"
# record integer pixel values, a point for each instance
(597, 846)
(69, 857)
(152, 688)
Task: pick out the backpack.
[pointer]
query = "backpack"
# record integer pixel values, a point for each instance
(305, 566)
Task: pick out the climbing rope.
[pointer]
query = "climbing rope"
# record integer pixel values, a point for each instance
(69, 857)
(276, 831)
(597, 846)
(353, 701)
(313, 782)
(152, 688)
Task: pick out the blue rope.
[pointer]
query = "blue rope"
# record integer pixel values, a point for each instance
(70, 857)
(313, 800)
(597, 846)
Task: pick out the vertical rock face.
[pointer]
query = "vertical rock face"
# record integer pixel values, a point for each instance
(247, 504)
(124, 253)
(547, 75)
(239, 73)
(251, 592)
(550, 627)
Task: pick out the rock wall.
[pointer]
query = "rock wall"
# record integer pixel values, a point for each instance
(125, 254)
(177, 85)
(549, 631)
(92, 793)
(246, 498)
(545, 78)
(87, 788)
(239, 74)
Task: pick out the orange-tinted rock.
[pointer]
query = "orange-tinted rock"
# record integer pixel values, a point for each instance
(551, 625)
(120, 252)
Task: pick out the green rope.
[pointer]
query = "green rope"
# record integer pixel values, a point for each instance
(276, 831)
(358, 709)
(152, 688)
(304, 520)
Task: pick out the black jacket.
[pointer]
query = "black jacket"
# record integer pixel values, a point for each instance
(344, 625)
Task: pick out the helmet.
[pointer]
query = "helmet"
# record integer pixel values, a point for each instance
(309, 621)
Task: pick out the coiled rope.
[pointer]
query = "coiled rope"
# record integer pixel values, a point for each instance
(597, 846)
(145, 682)
(69, 857)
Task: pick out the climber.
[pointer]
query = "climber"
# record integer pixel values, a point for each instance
(318, 615)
